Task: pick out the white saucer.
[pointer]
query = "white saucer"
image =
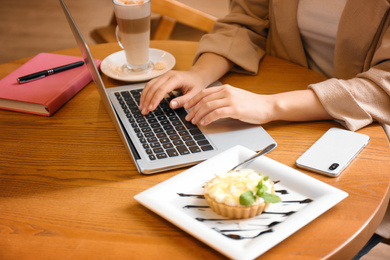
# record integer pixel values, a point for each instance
(112, 66)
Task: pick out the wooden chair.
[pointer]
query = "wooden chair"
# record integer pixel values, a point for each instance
(170, 12)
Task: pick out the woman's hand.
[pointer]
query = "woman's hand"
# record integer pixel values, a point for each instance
(229, 102)
(207, 69)
(154, 91)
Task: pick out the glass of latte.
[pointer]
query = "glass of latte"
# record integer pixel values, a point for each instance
(133, 33)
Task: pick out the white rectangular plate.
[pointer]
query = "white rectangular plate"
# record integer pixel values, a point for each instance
(180, 200)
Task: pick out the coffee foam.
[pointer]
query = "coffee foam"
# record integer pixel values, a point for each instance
(136, 11)
(130, 2)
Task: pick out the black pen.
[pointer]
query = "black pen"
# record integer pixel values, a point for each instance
(45, 73)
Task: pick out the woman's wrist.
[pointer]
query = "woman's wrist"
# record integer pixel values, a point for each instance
(300, 105)
(210, 67)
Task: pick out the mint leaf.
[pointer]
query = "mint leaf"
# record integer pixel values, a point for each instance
(261, 188)
(271, 198)
(247, 198)
(260, 184)
(261, 191)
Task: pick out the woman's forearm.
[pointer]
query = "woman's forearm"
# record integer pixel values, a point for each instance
(299, 105)
(211, 67)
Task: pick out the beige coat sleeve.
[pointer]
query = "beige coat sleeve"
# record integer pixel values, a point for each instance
(240, 36)
(357, 102)
(363, 99)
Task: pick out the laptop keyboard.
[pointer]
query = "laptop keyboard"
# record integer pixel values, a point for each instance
(164, 132)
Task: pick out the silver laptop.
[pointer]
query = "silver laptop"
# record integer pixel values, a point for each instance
(163, 140)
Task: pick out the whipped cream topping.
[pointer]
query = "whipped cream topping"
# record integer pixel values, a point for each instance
(227, 187)
(129, 2)
(131, 9)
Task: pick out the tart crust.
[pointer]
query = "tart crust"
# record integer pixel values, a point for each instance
(236, 211)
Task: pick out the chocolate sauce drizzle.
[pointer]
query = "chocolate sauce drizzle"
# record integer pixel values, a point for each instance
(305, 201)
(196, 207)
(272, 224)
(198, 196)
(231, 233)
(239, 237)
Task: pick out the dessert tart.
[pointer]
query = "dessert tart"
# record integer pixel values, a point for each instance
(240, 194)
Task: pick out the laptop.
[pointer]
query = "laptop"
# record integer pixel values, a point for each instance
(163, 140)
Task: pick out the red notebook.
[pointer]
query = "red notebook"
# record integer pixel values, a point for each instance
(43, 96)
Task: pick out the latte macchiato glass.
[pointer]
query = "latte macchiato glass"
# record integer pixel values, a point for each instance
(133, 32)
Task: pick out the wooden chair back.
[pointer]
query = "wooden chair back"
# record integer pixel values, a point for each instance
(171, 12)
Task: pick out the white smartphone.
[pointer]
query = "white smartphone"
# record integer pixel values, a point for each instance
(334, 150)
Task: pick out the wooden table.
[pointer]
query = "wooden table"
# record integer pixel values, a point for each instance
(67, 184)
